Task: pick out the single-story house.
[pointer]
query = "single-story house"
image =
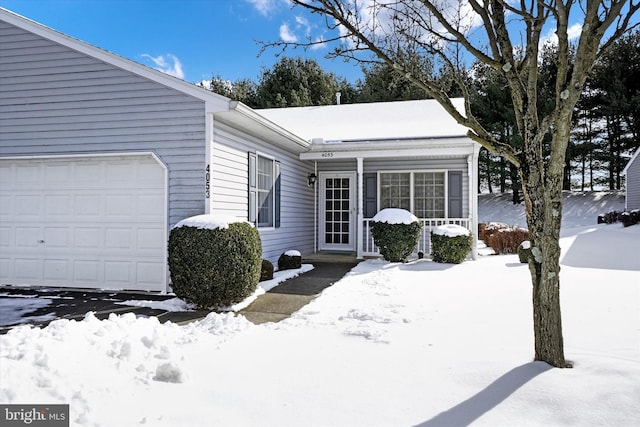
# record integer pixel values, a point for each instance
(632, 186)
(100, 156)
(367, 157)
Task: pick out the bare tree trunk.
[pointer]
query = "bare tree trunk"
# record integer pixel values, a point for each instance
(543, 223)
(543, 202)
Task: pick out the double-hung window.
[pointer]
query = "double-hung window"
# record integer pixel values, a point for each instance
(422, 193)
(264, 191)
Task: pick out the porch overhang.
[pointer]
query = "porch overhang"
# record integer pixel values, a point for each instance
(432, 147)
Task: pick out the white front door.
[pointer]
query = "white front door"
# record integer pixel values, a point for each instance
(337, 211)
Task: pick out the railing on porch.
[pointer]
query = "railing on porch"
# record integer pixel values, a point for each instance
(424, 243)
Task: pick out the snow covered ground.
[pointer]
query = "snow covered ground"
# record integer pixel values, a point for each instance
(389, 345)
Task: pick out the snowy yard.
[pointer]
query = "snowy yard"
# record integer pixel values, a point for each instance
(389, 345)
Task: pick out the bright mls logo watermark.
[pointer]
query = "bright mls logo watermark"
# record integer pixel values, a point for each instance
(34, 415)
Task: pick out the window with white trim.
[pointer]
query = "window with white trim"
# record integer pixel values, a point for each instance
(264, 191)
(422, 193)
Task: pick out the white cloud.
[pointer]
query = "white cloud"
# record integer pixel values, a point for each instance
(265, 7)
(286, 35)
(168, 64)
(573, 32)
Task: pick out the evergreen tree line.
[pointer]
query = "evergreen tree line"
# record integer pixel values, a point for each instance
(606, 122)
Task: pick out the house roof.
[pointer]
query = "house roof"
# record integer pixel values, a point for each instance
(230, 112)
(421, 119)
(630, 162)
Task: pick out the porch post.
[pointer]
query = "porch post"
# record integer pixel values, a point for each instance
(360, 209)
(472, 170)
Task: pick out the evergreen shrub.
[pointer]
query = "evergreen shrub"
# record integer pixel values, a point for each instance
(290, 260)
(450, 244)
(395, 240)
(524, 251)
(214, 267)
(266, 273)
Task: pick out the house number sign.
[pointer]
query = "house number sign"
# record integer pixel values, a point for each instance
(207, 182)
(326, 154)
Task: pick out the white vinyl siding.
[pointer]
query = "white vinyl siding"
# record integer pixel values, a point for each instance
(632, 200)
(55, 100)
(230, 189)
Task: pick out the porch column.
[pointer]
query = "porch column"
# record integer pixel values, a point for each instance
(360, 211)
(472, 170)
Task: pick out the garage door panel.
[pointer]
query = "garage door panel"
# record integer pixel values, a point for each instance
(57, 237)
(87, 272)
(84, 222)
(57, 205)
(88, 204)
(149, 238)
(55, 270)
(27, 176)
(28, 237)
(119, 238)
(27, 205)
(58, 174)
(28, 269)
(118, 272)
(87, 237)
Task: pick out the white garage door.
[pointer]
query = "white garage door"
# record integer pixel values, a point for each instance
(95, 222)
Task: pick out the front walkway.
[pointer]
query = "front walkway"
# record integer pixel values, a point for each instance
(61, 303)
(293, 294)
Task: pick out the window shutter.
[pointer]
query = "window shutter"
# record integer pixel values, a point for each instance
(455, 194)
(276, 175)
(253, 190)
(370, 194)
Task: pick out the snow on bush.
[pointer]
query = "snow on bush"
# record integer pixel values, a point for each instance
(395, 216)
(210, 221)
(450, 230)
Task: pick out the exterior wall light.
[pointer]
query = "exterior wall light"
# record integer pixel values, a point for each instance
(311, 179)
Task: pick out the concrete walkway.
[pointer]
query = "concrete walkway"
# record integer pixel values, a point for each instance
(293, 294)
(273, 306)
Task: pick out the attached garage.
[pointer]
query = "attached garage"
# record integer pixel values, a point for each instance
(84, 222)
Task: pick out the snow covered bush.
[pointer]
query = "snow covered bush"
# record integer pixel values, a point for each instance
(507, 240)
(395, 232)
(214, 260)
(450, 243)
(290, 260)
(524, 251)
(266, 273)
(485, 230)
(630, 218)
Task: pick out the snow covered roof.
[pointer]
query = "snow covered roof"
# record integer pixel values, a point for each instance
(372, 121)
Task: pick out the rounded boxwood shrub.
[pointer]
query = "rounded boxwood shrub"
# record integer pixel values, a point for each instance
(524, 251)
(290, 260)
(266, 273)
(450, 243)
(395, 232)
(214, 260)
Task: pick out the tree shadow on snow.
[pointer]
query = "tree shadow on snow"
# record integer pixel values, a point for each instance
(476, 406)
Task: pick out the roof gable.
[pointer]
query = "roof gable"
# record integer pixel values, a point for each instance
(55, 36)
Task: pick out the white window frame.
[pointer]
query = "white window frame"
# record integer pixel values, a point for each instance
(254, 187)
(412, 173)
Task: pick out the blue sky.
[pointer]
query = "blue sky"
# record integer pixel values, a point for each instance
(192, 39)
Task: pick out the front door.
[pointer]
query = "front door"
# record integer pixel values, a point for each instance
(337, 211)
